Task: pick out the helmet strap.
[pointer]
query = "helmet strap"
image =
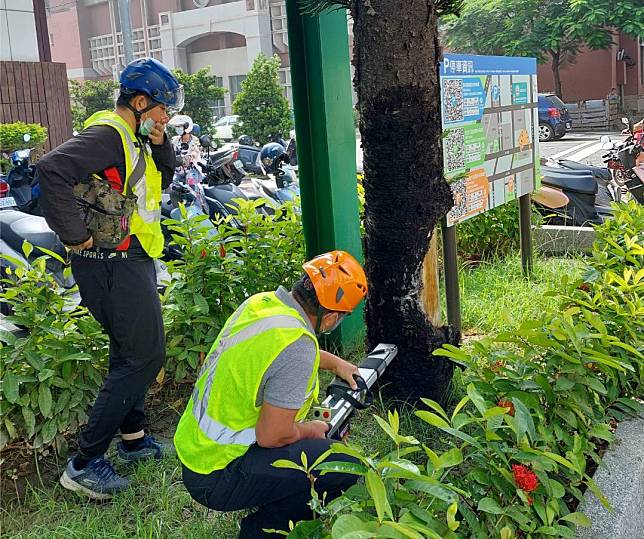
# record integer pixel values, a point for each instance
(139, 113)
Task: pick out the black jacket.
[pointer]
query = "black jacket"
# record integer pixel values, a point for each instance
(92, 151)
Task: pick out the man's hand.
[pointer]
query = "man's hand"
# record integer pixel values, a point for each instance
(317, 429)
(81, 246)
(345, 370)
(157, 134)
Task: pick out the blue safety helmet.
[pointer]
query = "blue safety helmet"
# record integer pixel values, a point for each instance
(196, 130)
(272, 155)
(151, 77)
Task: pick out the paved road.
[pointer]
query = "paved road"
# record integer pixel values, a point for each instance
(583, 147)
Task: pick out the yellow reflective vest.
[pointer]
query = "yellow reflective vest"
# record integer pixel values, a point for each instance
(218, 424)
(145, 222)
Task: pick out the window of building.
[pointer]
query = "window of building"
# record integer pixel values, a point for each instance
(219, 107)
(234, 85)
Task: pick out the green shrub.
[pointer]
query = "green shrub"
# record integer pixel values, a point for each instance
(52, 374)
(89, 97)
(537, 405)
(491, 234)
(219, 272)
(11, 136)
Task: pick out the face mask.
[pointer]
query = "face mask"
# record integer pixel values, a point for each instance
(146, 127)
(340, 317)
(179, 130)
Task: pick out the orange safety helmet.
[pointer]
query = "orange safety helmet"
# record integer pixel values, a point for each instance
(339, 280)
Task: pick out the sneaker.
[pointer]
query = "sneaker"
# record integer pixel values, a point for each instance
(149, 448)
(98, 480)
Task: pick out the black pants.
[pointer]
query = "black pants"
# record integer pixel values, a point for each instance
(281, 494)
(123, 297)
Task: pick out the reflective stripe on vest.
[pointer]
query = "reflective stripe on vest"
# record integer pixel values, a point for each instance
(218, 425)
(211, 428)
(146, 220)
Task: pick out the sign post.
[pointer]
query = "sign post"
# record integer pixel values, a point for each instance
(490, 125)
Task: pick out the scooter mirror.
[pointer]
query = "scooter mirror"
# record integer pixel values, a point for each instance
(26, 137)
(604, 139)
(204, 140)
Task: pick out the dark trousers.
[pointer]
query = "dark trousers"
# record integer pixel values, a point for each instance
(280, 494)
(123, 297)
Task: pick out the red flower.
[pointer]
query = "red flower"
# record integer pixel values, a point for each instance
(524, 477)
(506, 404)
(203, 253)
(498, 365)
(222, 250)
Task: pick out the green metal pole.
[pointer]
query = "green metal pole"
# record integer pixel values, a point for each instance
(321, 79)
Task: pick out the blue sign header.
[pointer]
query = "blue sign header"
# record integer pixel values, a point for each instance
(472, 64)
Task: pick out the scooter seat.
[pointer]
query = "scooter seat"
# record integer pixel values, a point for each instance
(565, 171)
(16, 226)
(600, 172)
(577, 184)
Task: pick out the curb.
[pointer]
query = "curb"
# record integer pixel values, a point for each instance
(621, 479)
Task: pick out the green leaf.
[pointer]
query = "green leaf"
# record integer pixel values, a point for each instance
(351, 527)
(30, 420)
(488, 505)
(52, 254)
(494, 411)
(459, 406)
(27, 248)
(578, 519)
(435, 489)
(477, 399)
(44, 400)
(524, 419)
(201, 303)
(452, 523)
(342, 467)
(10, 386)
(435, 406)
(48, 431)
(7, 337)
(432, 419)
(451, 458)
(376, 488)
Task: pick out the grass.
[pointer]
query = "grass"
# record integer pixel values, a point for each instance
(495, 297)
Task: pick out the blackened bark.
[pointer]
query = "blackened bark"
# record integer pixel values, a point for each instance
(396, 55)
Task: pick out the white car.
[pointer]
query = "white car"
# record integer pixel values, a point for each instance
(224, 127)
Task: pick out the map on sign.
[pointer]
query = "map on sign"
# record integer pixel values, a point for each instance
(490, 131)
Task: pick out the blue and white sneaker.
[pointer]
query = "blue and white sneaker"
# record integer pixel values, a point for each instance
(98, 480)
(149, 448)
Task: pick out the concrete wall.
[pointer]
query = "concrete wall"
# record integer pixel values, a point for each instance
(18, 40)
(222, 63)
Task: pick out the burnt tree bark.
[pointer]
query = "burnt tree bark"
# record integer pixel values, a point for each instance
(396, 56)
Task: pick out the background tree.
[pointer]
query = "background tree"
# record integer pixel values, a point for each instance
(202, 91)
(261, 105)
(89, 97)
(550, 30)
(396, 56)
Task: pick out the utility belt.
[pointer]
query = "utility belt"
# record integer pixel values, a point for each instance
(108, 211)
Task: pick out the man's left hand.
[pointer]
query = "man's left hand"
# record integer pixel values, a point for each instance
(345, 370)
(157, 134)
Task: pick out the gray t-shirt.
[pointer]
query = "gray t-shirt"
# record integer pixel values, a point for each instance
(285, 381)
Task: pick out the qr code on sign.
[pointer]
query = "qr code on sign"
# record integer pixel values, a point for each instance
(453, 100)
(454, 149)
(459, 209)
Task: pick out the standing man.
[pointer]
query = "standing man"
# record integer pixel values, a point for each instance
(253, 393)
(122, 154)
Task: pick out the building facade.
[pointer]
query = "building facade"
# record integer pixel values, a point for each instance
(224, 35)
(595, 73)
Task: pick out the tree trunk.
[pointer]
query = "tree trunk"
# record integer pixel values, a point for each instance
(396, 55)
(556, 65)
